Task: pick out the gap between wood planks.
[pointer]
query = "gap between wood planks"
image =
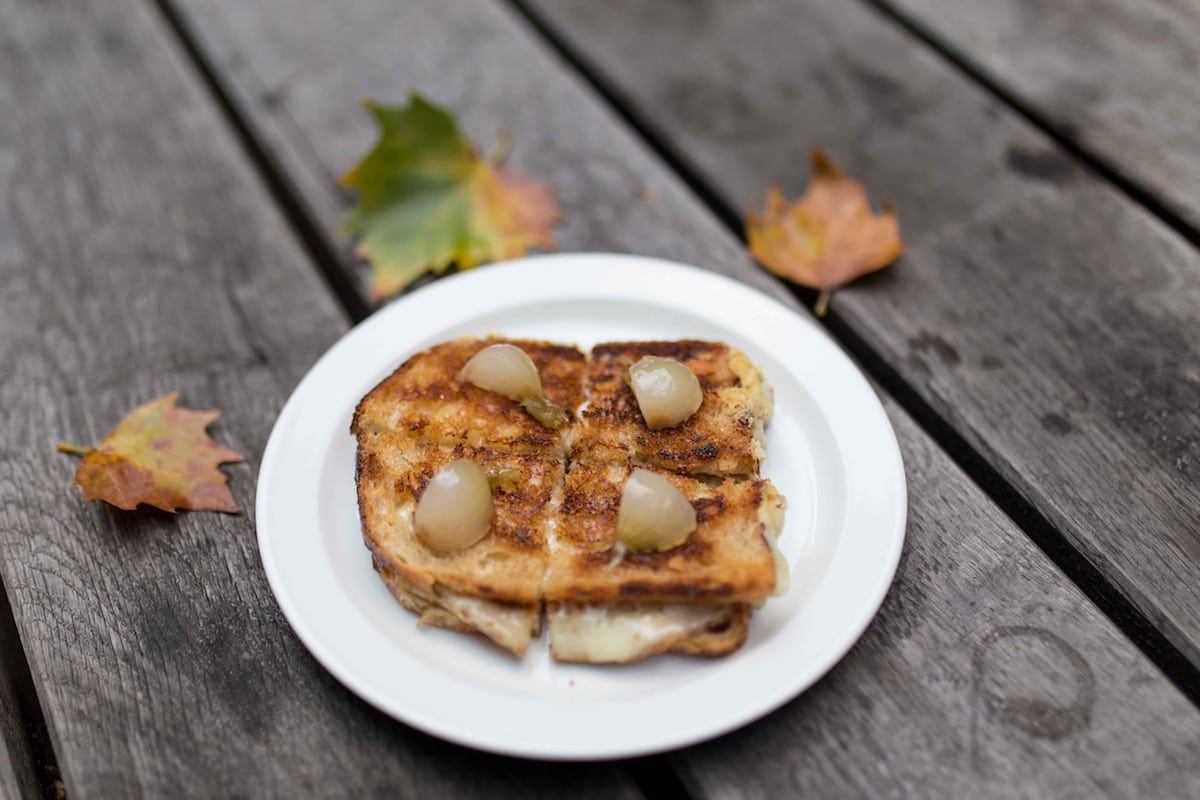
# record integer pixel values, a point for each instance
(14, 668)
(654, 775)
(1061, 135)
(295, 213)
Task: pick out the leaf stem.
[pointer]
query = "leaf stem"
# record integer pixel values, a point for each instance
(501, 147)
(74, 449)
(822, 302)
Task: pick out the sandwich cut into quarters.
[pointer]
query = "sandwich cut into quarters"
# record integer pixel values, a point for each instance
(695, 598)
(551, 540)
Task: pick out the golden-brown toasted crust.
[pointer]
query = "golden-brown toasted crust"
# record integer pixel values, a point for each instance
(425, 399)
(724, 437)
(725, 560)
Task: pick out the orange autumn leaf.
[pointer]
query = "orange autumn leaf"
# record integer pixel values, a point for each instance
(159, 455)
(828, 237)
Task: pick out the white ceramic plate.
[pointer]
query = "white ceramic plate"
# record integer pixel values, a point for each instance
(831, 451)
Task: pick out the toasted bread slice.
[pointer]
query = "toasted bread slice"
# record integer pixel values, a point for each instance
(728, 559)
(425, 399)
(507, 564)
(491, 586)
(724, 437)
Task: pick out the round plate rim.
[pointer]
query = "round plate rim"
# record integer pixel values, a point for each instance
(551, 266)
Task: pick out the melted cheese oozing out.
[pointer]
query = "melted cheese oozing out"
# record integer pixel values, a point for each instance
(509, 626)
(608, 635)
(770, 514)
(758, 441)
(783, 573)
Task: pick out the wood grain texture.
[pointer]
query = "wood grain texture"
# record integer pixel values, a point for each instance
(138, 255)
(1119, 78)
(1046, 318)
(986, 671)
(18, 769)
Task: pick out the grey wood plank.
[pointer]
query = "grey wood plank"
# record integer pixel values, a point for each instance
(18, 770)
(986, 669)
(138, 255)
(1121, 79)
(1045, 317)
(10, 774)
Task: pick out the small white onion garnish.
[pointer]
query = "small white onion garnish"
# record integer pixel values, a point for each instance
(654, 515)
(509, 371)
(667, 392)
(455, 510)
(504, 369)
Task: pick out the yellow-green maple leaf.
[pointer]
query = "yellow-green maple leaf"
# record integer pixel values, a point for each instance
(427, 200)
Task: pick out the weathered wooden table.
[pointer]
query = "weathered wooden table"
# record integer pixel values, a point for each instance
(168, 221)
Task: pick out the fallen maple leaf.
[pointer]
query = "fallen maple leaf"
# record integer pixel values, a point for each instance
(158, 455)
(427, 200)
(828, 237)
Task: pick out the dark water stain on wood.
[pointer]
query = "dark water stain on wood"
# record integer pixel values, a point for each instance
(1040, 164)
(996, 657)
(115, 42)
(273, 98)
(928, 342)
(887, 95)
(1056, 424)
(1154, 370)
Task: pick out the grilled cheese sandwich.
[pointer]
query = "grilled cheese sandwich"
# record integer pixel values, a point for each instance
(555, 500)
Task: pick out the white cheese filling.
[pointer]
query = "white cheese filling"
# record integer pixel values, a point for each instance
(508, 625)
(617, 634)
